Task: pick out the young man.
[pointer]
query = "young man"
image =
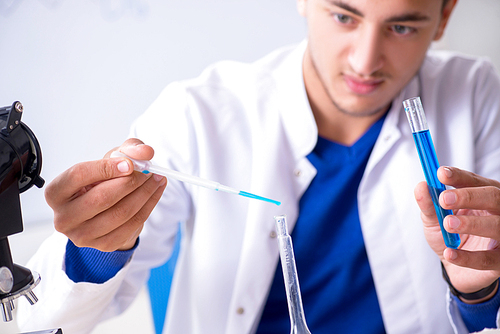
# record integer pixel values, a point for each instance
(321, 128)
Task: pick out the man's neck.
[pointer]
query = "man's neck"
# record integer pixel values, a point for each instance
(341, 128)
(334, 124)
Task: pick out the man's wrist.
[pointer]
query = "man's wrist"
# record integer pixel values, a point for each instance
(493, 292)
(132, 244)
(473, 297)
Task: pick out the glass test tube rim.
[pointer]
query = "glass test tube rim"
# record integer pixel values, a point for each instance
(416, 115)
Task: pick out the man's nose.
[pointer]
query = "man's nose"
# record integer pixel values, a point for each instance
(366, 52)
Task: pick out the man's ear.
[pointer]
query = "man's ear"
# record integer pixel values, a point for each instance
(301, 7)
(445, 16)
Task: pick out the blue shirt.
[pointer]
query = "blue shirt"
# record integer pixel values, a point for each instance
(85, 264)
(333, 270)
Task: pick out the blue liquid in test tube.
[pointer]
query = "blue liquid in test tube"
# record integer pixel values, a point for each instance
(428, 159)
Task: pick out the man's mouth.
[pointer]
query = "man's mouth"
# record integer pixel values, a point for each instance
(362, 86)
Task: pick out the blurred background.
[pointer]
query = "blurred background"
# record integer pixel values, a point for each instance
(84, 70)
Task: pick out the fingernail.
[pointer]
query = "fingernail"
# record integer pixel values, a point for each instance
(452, 253)
(449, 198)
(453, 222)
(157, 177)
(123, 167)
(448, 172)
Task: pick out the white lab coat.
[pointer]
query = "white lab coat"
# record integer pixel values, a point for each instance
(249, 126)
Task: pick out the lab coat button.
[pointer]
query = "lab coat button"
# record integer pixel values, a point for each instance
(273, 234)
(240, 310)
(297, 172)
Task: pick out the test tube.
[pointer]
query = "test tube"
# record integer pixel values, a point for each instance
(294, 298)
(428, 159)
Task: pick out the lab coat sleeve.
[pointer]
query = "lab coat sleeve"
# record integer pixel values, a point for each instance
(486, 119)
(63, 303)
(78, 307)
(454, 314)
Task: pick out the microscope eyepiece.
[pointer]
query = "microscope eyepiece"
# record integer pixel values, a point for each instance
(21, 156)
(20, 167)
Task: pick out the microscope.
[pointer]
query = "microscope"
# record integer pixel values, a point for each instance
(20, 166)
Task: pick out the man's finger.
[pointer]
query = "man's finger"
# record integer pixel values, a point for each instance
(97, 200)
(111, 217)
(475, 198)
(81, 175)
(482, 226)
(459, 178)
(131, 229)
(112, 228)
(480, 260)
(134, 148)
(424, 202)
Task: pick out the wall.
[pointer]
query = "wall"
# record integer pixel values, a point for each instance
(85, 69)
(473, 29)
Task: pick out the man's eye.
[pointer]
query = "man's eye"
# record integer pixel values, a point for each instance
(341, 18)
(402, 30)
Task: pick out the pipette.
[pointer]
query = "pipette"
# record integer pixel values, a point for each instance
(145, 166)
(428, 159)
(294, 298)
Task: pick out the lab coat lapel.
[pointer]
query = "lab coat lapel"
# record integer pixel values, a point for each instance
(284, 134)
(393, 233)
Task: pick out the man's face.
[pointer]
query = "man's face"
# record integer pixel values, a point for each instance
(361, 53)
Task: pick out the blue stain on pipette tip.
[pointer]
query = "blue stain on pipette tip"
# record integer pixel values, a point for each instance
(244, 193)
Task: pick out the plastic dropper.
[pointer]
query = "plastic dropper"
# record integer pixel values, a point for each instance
(146, 167)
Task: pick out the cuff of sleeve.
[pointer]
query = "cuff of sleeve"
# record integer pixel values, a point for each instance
(84, 264)
(479, 316)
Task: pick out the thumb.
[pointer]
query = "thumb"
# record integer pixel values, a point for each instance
(135, 149)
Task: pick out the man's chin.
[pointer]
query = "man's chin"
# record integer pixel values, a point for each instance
(360, 107)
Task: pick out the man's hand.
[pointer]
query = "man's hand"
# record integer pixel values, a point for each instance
(103, 204)
(475, 202)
